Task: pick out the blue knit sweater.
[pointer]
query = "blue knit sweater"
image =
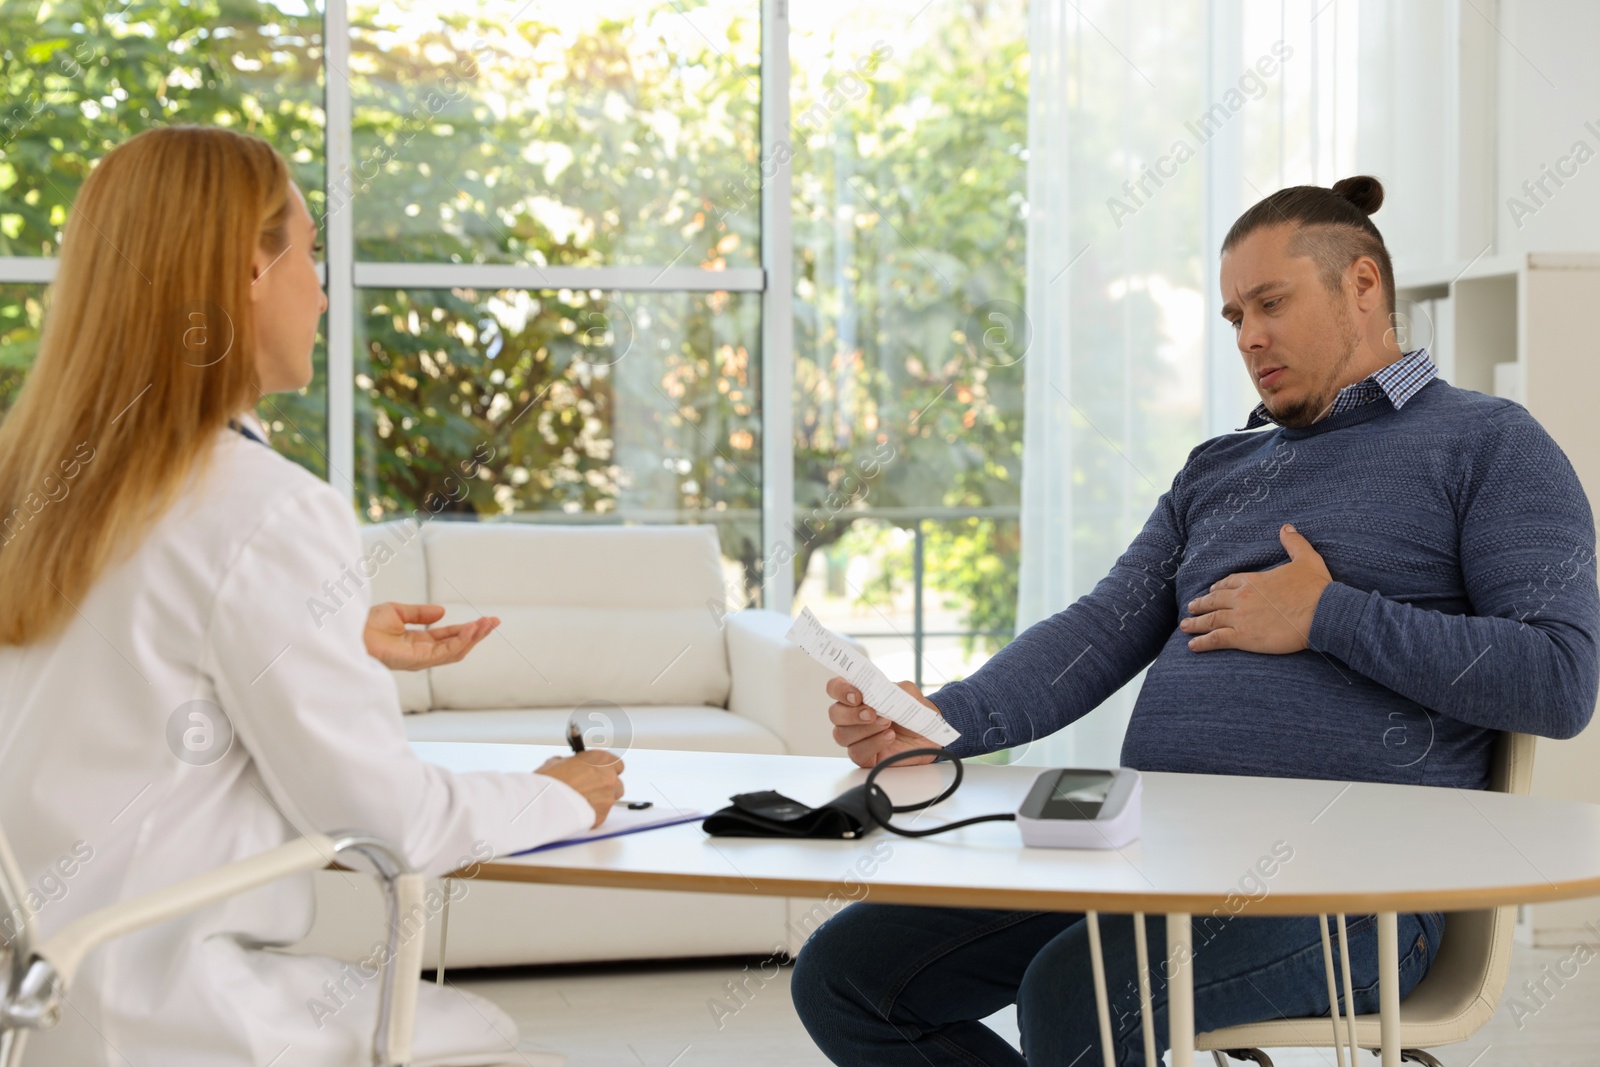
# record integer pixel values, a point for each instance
(1463, 602)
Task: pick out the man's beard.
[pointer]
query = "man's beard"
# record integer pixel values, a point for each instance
(1303, 413)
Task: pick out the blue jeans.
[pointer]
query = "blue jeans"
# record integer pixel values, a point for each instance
(885, 984)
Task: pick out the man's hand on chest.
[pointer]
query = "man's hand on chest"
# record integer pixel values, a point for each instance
(1261, 611)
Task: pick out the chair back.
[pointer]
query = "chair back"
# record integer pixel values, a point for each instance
(1469, 974)
(1462, 988)
(1511, 765)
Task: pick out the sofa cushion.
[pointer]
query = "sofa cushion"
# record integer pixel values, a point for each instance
(624, 613)
(685, 728)
(391, 557)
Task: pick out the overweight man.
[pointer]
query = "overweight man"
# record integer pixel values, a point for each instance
(1368, 590)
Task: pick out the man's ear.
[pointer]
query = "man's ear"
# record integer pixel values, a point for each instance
(1366, 282)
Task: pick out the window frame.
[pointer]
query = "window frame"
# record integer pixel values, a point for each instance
(343, 275)
(346, 274)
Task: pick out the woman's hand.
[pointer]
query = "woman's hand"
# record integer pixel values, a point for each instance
(868, 736)
(595, 773)
(400, 649)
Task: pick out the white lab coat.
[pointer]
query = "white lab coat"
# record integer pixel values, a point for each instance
(99, 806)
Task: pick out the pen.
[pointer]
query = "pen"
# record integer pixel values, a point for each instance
(575, 740)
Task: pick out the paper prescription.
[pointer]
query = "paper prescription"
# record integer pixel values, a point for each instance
(877, 691)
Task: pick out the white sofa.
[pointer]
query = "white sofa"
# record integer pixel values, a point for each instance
(625, 627)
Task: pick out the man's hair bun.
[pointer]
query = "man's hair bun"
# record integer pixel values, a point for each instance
(1332, 226)
(1362, 190)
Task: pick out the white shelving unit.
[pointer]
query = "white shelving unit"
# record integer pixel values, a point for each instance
(1523, 327)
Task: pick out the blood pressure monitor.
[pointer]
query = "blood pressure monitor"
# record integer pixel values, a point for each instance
(1076, 808)
(1066, 808)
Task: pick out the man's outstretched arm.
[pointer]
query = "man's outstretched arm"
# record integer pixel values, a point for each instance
(1062, 667)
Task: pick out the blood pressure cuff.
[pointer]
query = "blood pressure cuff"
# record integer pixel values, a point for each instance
(771, 814)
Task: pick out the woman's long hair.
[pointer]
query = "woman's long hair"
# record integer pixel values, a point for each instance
(147, 352)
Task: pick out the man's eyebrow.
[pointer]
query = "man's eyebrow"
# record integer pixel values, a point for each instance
(1250, 294)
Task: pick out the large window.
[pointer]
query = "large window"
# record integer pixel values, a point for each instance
(79, 78)
(909, 122)
(556, 265)
(552, 237)
(556, 134)
(564, 406)
(21, 315)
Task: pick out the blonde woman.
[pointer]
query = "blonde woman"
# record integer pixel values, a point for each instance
(167, 702)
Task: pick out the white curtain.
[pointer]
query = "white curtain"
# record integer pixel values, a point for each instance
(1152, 124)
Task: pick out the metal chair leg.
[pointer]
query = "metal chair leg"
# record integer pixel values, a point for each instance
(1255, 1055)
(397, 993)
(1249, 1055)
(16, 953)
(32, 1002)
(11, 1042)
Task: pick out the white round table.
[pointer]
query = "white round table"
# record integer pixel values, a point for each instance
(1355, 848)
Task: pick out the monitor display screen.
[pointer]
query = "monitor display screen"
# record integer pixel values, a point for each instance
(1079, 786)
(1077, 795)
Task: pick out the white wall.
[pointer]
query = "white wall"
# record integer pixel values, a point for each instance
(1407, 104)
(1462, 101)
(1549, 89)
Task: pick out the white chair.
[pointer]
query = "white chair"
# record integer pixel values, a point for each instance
(37, 976)
(1457, 997)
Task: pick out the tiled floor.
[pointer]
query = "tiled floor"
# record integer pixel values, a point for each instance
(661, 1015)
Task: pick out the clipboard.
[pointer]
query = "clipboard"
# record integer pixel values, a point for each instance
(620, 821)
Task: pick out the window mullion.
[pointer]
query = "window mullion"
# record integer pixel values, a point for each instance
(340, 239)
(533, 277)
(777, 314)
(27, 270)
